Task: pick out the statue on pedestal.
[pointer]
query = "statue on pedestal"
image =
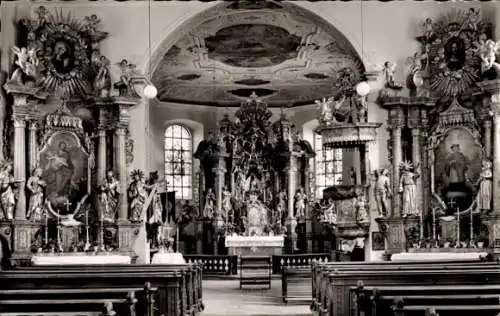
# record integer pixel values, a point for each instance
(209, 207)
(383, 192)
(391, 87)
(484, 194)
(102, 81)
(408, 190)
(124, 86)
(252, 185)
(7, 194)
(27, 62)
(300, 204)
(488, 51)
(156, 204)
(138, 195)
(109, 193)
(35, 187)
(227, 206)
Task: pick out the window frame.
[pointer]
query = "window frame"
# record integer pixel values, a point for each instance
(168, 146)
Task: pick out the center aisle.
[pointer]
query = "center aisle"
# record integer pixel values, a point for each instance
(224, 298)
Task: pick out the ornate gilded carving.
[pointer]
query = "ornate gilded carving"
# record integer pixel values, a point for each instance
(449, 45)
(68, 52)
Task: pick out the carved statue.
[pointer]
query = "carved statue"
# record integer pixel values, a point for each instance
(281, 207)
(209, 208)
(362, 109)
(362, 214)
(487, 52)
(35, 187)
(252, 185)
(390, 82)
(109, 193)
(28, 62)
(472, 19)
(426, 28)
(7, 194)
(138, 195)
(124, 86)
(408, 190)
(326, 114)
(102, 81)
(226, 203)
(300, 203)
(484, 195)
(330, 213)
(383, 192)
(156, 204)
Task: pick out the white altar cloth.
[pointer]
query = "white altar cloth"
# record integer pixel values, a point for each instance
(168, 258)
(80, 259)
(438, 256)
(254, 241)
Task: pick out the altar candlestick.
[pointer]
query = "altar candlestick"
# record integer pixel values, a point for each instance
(458, 226)
(46, 228)
(471, 227)
(102, 231)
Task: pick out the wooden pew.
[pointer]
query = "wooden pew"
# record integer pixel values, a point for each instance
(320, 272)
(179, 286)
(337, 294)
(103, 301)
(420, 300)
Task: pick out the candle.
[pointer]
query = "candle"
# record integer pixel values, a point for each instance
(46, 228)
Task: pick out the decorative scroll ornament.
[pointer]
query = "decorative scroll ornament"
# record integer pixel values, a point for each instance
(67, 50)
(449, 46)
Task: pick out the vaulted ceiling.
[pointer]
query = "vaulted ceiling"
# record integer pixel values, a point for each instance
(273, 49)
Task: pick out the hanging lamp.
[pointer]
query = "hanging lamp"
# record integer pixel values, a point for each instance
(362, 88)
(150, 90)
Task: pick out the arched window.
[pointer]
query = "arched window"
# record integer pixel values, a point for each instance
(178, 161)
(328, 166)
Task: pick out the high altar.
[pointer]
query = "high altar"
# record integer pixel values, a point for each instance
(255, 181)
(66, 152)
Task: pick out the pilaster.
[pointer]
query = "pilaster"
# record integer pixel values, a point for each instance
(20, 165)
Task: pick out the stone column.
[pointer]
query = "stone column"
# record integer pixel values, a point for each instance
(122, 172)
(416, 159)
(487, 137)
(102, 155)
(397, 156)
(20, 165)
(219, 186)
(291, 221)
(33, 147)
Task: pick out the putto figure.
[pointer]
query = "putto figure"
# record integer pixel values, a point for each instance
(27, 62)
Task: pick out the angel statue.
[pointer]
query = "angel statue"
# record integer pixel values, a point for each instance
(390, 82)
(383, 192)
(36, 188)
(102, 81)
(124, 86)
(209, 208)
(7, 191)
(324, 106)
(138, 195)
(408, 189)
(28, 62)
(488, 51)
(109, 192)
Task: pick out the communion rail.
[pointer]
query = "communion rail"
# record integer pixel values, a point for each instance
(215, 264)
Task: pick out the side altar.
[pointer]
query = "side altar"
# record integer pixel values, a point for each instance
(65, 145)
(441, 193)
(255, 179)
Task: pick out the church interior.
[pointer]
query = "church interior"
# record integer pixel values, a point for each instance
(181, 158)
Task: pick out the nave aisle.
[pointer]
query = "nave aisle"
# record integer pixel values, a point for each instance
(224, 298)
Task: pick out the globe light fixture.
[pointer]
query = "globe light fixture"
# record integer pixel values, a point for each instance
(363, 88)
(150, 91)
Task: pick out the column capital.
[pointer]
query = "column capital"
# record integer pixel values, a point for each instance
(19, 122)
(33, 125)
(101, 132)
(487, 123)
(120, 130)
(415, 131)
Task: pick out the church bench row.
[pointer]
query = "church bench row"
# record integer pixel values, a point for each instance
(416, 300)
(320, 272)
(334, 299)
(179, 286)
(104, 302)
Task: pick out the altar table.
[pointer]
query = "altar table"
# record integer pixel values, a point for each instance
(80, 259)
(168, 258)
(255, 245)
(438, 256)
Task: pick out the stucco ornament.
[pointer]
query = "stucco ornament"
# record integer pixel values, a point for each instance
(450, 46)
(67, 50)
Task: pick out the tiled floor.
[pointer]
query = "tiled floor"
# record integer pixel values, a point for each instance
(224, 298)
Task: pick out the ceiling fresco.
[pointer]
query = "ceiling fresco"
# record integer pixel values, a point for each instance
(286, 58)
